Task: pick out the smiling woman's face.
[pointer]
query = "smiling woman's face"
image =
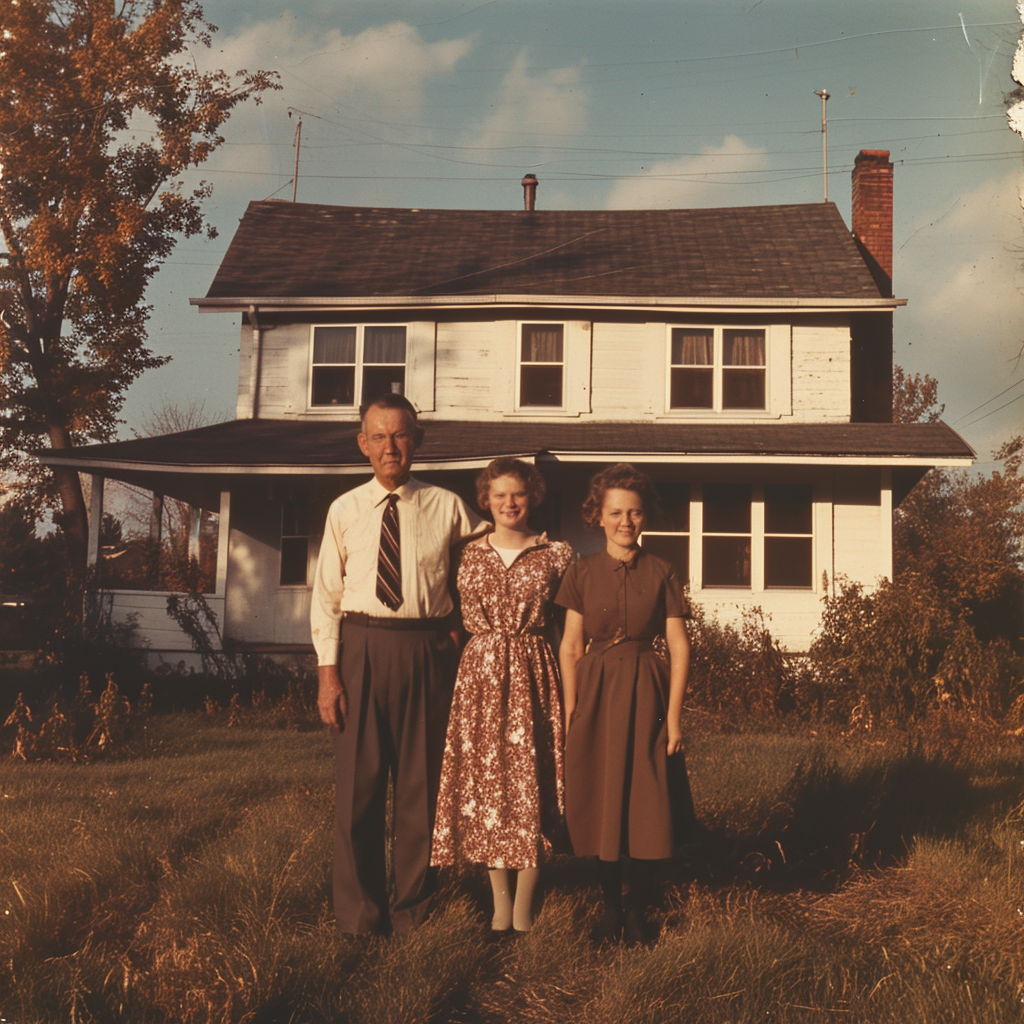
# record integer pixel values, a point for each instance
(509, 502)
(622, 519)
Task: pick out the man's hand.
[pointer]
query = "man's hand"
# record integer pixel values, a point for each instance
(332, 701)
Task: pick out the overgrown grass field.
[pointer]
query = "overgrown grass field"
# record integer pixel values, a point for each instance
(869, 878)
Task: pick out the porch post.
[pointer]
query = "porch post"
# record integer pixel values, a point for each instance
(885, 501)
(223, 535)
(95, 519)
(195, 523)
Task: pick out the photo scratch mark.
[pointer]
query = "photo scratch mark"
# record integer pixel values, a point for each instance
(977, 57)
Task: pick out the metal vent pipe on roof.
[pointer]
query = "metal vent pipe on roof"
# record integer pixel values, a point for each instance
(529, 191)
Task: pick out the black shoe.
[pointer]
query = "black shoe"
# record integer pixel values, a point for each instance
(609, 930)
(637, 931)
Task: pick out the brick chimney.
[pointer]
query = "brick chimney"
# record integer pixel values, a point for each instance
(872, 213)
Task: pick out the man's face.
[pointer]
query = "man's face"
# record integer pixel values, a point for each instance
(388, 440)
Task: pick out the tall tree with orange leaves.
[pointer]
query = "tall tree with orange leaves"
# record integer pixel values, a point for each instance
(102, 110)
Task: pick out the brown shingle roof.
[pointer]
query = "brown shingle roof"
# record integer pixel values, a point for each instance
(297, 250)
(262, 445)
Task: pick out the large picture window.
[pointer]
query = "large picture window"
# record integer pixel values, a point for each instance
(541, 365)
(788, 536)
(717, 368)
(356, 364)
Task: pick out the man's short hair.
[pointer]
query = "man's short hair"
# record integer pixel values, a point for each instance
(389, 400)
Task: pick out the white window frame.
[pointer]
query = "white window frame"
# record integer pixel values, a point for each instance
(758, 536)
(358, 366)
(717, 371)
(519, 366)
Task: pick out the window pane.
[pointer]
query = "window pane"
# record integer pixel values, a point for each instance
(382, 380)
(726, 561)
(692, 389)
(541, 385)
(788, 562)
(787, 508)
(743, 348)
(383, 345)
(334, 385)
(675, 507)
(742, 389)
(542, 343)
(294, 558)
(692, 348)
(295, 519)
(727, 508)
(673, 547)
(334, 344)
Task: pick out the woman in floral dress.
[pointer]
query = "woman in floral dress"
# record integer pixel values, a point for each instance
(501, 795)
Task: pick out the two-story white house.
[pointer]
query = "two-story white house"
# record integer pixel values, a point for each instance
(742, 357)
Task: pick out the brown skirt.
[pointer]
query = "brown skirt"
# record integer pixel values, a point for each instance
(623, 794)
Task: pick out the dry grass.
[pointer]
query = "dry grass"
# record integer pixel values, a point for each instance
(869, 879)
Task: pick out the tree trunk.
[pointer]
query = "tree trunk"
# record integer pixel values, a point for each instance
(75, 518)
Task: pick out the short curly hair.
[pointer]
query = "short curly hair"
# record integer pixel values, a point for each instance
(507, 466)
(621, 477)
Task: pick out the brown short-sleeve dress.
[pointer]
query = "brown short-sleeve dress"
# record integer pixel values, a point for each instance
(623, 794)
(501, 795)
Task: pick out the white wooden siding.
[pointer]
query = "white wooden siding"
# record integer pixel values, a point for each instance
(629, 370)
(862, 526)
(821, 373)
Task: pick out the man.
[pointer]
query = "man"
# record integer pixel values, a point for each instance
(381, 591)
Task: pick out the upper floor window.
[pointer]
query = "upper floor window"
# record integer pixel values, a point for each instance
(717, 368)
(541, 365)
(355, 364)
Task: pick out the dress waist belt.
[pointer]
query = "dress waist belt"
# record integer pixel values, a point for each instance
(531, 631)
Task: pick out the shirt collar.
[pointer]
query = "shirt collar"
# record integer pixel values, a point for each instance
(616, 564)
(406, 492)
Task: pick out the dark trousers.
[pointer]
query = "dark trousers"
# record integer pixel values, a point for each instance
(399, 686)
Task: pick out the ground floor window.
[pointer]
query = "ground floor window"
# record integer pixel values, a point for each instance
(295, 517)
(748, 534)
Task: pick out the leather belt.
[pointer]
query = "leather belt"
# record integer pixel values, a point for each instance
(387, 622)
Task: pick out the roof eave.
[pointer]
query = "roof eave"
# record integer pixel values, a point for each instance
(272, 303)
(86, 465)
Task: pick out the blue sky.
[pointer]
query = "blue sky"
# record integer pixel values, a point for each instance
(634, 105)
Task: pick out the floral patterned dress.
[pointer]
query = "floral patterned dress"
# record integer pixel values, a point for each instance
(501, 799)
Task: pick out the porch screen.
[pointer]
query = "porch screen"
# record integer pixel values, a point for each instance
(743, 369)
(541, 364)
(692, 384)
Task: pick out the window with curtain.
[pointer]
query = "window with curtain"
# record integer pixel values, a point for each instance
(726, 535)
(541, 365)
(743, 369)
(295, 518)
(788, 536)
(692, 384)
(355, 364)
(717, 368)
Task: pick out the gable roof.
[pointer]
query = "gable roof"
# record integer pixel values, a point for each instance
(308, 251)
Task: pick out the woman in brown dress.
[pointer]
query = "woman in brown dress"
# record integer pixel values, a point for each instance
(627, 793)
(501, 799)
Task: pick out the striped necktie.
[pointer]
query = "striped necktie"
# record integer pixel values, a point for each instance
(389, 558)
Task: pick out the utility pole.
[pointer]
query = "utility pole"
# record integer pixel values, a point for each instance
(298, 143)
(824, 135)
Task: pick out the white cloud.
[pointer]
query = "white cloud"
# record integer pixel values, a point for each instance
(961, 268)
(686, 181)
(544, 107)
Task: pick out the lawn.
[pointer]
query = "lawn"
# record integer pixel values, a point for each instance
(869, 878)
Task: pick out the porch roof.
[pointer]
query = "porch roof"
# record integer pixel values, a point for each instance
(320, 447)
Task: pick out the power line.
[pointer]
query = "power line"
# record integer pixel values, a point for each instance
(993, 412)
(1016, 384)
